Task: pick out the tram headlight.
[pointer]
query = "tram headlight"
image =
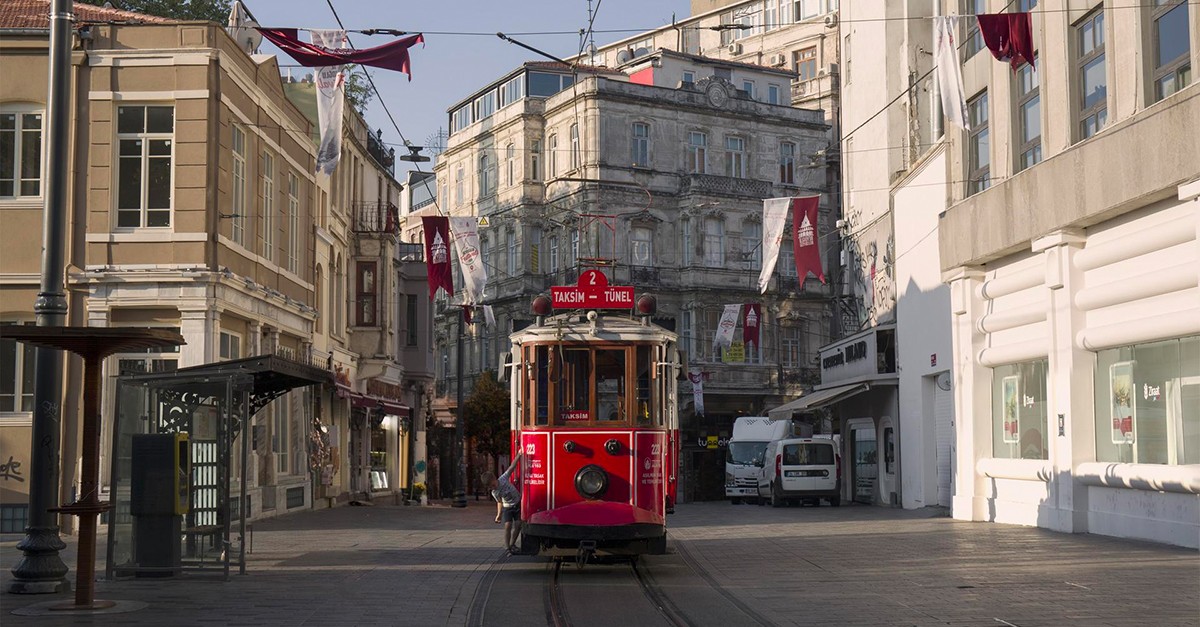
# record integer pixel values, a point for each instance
(591, 481)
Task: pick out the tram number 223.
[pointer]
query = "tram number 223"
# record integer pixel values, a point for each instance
(656, 449)
(530, 449)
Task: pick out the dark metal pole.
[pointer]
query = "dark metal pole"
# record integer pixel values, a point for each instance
(40, 569)
(460, 443)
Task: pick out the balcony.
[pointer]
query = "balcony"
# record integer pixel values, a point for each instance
(376, 217)
(384, 156)
(727, 186)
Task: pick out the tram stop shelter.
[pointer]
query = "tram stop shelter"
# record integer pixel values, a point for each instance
(180, 452)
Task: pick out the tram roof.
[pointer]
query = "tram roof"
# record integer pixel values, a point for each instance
(575, 327)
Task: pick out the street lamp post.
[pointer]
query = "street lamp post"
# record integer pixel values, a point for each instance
(460, 442)
(40, 569)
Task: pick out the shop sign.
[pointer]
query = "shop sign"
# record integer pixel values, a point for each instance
(851, 358)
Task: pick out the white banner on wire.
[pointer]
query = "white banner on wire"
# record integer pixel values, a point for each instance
(697, 379)
(949, 72)
(723, 338)
(464, 232)
(775, 215)
(331, 99)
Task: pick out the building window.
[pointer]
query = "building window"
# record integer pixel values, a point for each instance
(460, 119)
(485, 106)
(791, 345)
(786, 266)
(714, 243)
(16, 375)
(805, 63)
(1172, 61)
(459, 178)
(807, 9)
(752, 244)
(574, 248)
(410, 317)
(787, 163)
(552, 147)
(735, 157)
(230, 346)
(973, 41)
(689, 338)
(512, 91)
(238, 201)
(575, 162)
(20, 154)
(846, 59)
(535, 157)
(14, 518)
(1093, 82)
(510, 159)
(268, 206)
(979, 157)
(144, 142)
(485, 176)
(641, 246)
(697, 152)
(1029, 118)
(280, 439)
(553, 245)
(773, 95)
(748, 87)
(685, 228)
(689, 76)
(1025, 6)
(512, 253)
(293, 252)
(545, 84)
(1147, 403)
(640, 145)
(889, 451)
(1019, 410)
(367, 292)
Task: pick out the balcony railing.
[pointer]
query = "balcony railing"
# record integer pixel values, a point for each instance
(376, 217)
(384, 156)
(711, 183)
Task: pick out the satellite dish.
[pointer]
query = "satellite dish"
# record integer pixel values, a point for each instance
(242, 28)
(944, 382)
(624, 56)
(641, 52)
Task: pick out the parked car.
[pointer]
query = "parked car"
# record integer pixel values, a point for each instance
(800, 469)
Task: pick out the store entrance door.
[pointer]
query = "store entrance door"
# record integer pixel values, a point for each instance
(866, 464)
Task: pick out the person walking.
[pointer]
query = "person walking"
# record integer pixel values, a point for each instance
(507, 495)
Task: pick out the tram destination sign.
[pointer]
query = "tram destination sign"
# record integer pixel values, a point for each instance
(592, 291)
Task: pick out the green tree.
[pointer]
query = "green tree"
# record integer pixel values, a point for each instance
(486, 414)
(208, 10)
(358, 90)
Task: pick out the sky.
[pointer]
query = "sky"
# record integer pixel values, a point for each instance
(452, 66)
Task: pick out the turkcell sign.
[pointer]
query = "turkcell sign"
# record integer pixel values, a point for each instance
(591, 292)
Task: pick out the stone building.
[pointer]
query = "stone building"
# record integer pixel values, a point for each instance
(658, 180)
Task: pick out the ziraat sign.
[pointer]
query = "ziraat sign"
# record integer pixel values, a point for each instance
(592, 291)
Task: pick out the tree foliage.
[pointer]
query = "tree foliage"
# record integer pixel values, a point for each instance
(486, 414)
(358, 90)
(208, 10)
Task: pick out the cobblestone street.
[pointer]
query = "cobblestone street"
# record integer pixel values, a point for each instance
(854, 565)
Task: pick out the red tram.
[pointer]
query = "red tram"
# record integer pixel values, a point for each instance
(594, 410)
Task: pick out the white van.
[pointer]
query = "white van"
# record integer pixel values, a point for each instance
(744, 452)
(800, 469)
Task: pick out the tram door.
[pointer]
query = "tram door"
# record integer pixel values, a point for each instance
(866, 464)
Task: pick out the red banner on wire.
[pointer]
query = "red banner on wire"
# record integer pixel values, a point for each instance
(390, 56)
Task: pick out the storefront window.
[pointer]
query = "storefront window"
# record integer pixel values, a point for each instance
(1019, 411)
(1147, 403)
(379, 438)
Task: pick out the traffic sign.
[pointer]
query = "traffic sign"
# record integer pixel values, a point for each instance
(483, 222)
(592, 291)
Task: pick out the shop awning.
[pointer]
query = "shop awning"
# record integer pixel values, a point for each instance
(820, 398)
(387, 406)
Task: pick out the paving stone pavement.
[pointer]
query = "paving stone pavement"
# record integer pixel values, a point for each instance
(394, 565)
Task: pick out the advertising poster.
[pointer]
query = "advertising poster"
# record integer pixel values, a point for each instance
(1120, 378)
(1010, 392)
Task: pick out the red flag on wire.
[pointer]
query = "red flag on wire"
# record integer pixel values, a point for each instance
(437, 254)
(751, 321)
(805, 248)
(1009, 37)
(390, 56)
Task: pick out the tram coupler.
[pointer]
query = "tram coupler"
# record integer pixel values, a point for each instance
(587, 548)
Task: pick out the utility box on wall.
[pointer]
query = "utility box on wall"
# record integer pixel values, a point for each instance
(160, 485)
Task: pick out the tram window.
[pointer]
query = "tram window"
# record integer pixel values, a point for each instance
(572, 378)
(645, 370)
(610, 385)
(541, 387)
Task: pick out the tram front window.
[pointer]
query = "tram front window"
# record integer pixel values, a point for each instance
(573, 381)
(610, 385)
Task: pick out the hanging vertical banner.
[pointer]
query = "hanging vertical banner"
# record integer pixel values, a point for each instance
(775, 213)
(949, 72)
(465, 234)
(437, 255)
(725, 328)
(750, 323)
(331, 97)
(697, 379)
(805, 247)
(489, 316)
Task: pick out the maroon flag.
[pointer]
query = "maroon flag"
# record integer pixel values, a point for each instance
(437, 254)
(390, 56)
(1009, 37)
(751, 320)
(466, 311)
(804, 238)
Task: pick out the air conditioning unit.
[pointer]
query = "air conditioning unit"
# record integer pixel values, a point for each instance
(827, 70)
(734, 48)
(831, 20)
(777, 60)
